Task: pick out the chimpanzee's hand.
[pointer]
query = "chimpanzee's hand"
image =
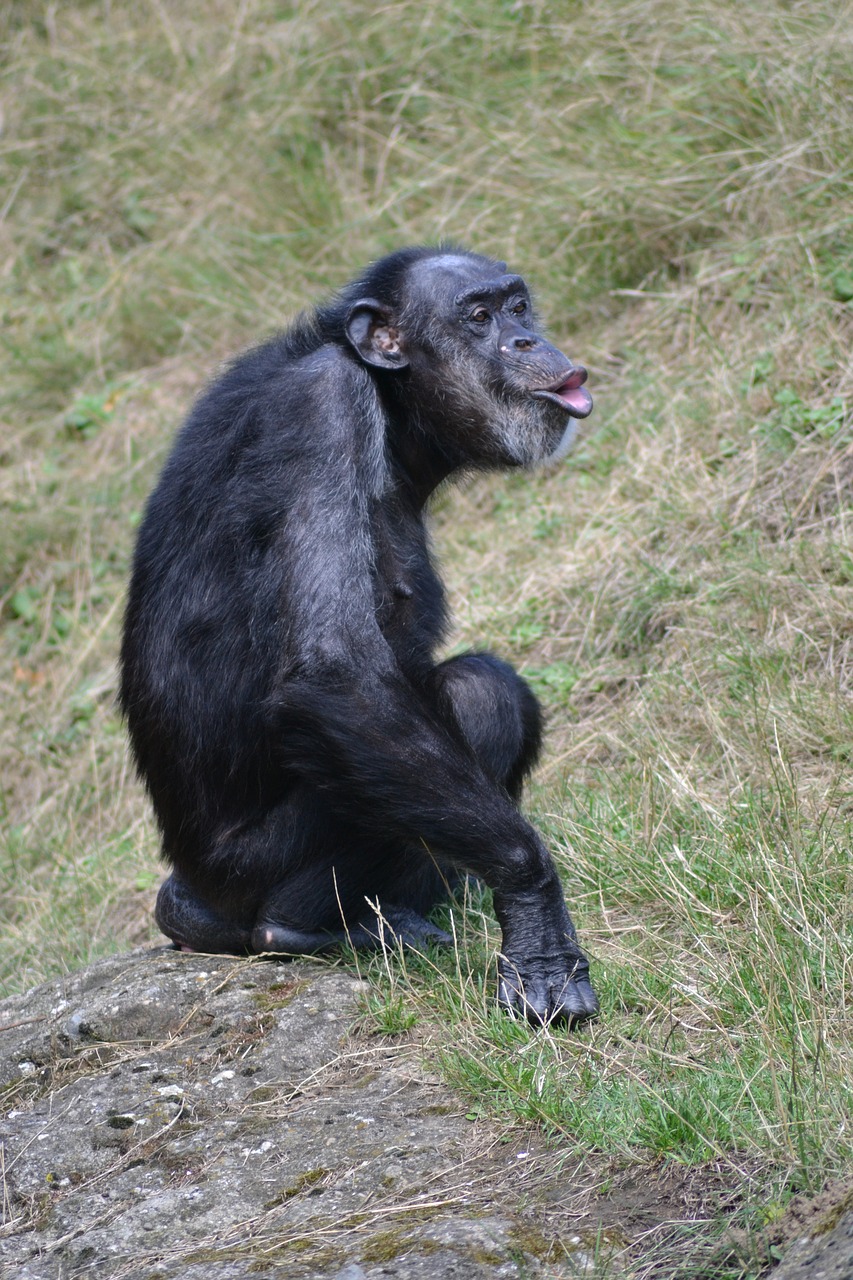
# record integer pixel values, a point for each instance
(542, 972)
(547, 988)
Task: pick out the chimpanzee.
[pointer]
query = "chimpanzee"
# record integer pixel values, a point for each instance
(307, 758)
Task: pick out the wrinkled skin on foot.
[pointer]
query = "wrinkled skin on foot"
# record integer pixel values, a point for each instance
(543, 975)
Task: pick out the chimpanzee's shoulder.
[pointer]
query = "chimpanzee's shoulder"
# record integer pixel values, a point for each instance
(289, 359)
(284, 391)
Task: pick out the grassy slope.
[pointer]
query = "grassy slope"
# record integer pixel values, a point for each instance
(675, 180)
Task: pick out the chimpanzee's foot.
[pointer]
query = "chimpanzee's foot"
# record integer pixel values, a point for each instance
(283, 940)
(406, 926)
(193, 926)
(547, 989)
(396, 924)
(542, 973)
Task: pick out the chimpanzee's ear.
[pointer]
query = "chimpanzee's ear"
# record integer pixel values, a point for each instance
(374, 335)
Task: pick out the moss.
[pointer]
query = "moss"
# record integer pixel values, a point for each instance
(529, 1239)
(265, 1093)
(278, 995)
(41, 1209)
(385, 1246)
(487, 1257)
(831, 1219)
(322, 1259)
(201, 1257)
(326, 1257)
(171, 1161)
(364, 1078)
(119, 1121)
(305, 1180)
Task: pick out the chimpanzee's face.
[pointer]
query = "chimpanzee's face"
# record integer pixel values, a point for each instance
(479, 374)
(510, 396)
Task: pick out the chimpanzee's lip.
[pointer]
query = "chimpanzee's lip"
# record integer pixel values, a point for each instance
(570, 393)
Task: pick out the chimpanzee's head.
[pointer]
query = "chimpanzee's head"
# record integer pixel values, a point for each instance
(473, 366)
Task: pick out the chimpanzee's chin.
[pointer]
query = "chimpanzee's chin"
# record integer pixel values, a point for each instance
(555, 433)
(565, 441)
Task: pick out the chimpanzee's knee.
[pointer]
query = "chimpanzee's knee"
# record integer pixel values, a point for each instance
(497, 713)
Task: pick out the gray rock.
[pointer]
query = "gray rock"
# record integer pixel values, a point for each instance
(826, 1254)
(172, 1115)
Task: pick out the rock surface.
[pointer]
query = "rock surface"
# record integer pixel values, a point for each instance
(210, 1118)
(823, 1248)
(168, 1115)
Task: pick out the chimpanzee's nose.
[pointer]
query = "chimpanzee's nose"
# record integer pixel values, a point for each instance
(521, 342)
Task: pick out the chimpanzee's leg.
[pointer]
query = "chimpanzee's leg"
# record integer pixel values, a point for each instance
(298, 883)
(497, 713)
(500, 719)
(315, 878)
(194, 926)
(340, 895)
(489, 704)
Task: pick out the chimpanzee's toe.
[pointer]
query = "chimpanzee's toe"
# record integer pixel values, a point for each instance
(576, 1003)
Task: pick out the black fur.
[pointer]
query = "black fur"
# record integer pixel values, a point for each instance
(302, 749)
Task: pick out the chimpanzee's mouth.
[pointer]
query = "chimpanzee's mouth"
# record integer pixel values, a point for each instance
(570, 393)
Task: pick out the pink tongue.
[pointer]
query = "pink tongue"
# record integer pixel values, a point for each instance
(578, 398)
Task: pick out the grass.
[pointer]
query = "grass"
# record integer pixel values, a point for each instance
(675, 180)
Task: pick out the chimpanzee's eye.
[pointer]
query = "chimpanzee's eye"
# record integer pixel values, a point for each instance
(519, 308)
(480, 316)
